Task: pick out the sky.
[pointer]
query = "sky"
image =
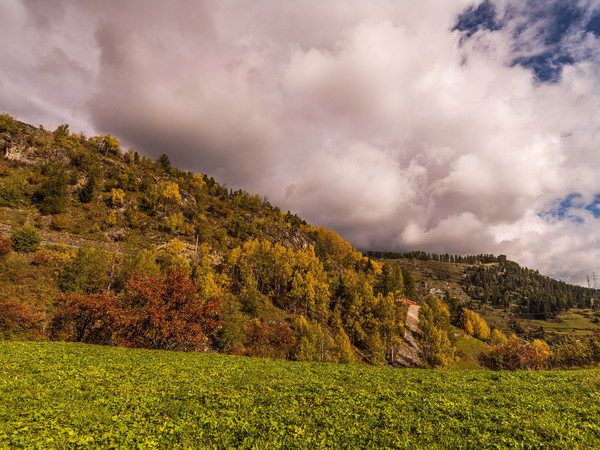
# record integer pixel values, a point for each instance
(452, 126)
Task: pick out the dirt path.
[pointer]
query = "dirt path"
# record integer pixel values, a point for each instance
(408, 355)
(69, 240)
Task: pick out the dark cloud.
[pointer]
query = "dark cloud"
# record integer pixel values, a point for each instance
(450, 127)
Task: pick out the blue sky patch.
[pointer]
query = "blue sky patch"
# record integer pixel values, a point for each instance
(552, 23)
(593, 26)
(481, 18)
(571, 207)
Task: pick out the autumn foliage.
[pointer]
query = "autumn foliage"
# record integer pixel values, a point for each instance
(515, 355)
(161, 311)
(165, 312)
(85, 318)
(18, 320)
(5, 246)
(268, 339)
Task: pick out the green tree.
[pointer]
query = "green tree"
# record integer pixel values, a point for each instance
(409, 284)
(86, 273)
(27, 239)
(51, 194)
(164, 163)
(13, 189)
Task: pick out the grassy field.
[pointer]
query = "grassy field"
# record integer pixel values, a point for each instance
(57, 395)
(575, 322)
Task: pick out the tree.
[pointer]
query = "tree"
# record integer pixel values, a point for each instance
(27, 239)
(51, 194)
(13, 189)
(166, 312)
(18, 320)
(106, 144)
(409, 284)
(474, 325)
(164, 163)
(171, 195)
(343, 349)
(85, 318)
(86, 273)
(86, 193)
(117, 197)
(497, 337)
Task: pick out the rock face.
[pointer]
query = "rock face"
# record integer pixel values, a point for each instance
(409, 353)
(17, 152)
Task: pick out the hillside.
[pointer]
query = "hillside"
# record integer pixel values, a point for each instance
(106, 246)
(252, 280)
(511, 298)
(142, 399)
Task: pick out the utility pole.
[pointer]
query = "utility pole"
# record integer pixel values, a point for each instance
(595, 277)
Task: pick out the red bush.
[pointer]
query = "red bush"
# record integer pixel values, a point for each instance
(40, 259)
(268, 339)
(5, 246)
(166, 312)
(514, 355)
(85, 318)
(18, 320)
(157, 312)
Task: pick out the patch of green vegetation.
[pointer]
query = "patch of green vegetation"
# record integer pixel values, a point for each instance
(73, 395)
(576, 321)
(468, 350)
(23, 282)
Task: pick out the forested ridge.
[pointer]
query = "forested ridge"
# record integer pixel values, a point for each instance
(495, 280)
(507, 284)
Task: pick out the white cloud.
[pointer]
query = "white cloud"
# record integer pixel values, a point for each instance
(371, 118)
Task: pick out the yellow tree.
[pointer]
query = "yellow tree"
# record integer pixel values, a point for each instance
(171, 195)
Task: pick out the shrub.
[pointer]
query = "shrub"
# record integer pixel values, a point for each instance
(515, 355)
(59, 222)
(27, 239)
(13, 189)
(166, 312)
(86, 273)
(110, 221)
(18, 320)
(86, 193)
(84, 318)
(40, 259)
(117, 197)
(268, 339)
(8, 123)
(5, 246)
(51, 195)
(575, 352)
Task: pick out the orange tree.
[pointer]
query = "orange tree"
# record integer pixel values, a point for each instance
(166, 312)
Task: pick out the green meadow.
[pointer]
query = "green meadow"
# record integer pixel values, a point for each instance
(59, 395)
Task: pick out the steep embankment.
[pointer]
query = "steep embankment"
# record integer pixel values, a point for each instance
(409, 353)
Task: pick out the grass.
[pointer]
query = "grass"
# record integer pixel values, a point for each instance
(468, 349)
(20, 281)
(57, 395)
(574, 322)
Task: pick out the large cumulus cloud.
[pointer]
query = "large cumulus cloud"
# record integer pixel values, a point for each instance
(455, 126)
